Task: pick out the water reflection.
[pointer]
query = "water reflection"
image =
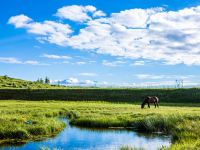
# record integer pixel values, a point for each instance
(74, 138)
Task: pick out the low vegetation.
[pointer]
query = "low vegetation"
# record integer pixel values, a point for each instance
(29, 120)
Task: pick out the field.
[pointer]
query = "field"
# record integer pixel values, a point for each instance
(95, 94)
(31, 120)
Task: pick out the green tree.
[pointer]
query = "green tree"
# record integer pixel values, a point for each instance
(40, 80)
(47, 81)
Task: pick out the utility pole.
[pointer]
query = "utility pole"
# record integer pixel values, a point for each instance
(95, 83)
(179, 83)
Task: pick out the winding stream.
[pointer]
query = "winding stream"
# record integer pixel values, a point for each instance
(75, 138)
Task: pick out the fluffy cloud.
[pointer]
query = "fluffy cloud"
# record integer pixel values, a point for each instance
(134, 18)
(170, 37)
(99, 13)
(50, 31)
(19, 21)
(79, 13)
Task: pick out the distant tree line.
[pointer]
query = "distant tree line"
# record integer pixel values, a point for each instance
(46, 80)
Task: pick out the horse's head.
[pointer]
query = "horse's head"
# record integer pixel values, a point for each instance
(145, 101)
(142, 106)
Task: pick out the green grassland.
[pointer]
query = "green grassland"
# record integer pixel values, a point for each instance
(30, 120)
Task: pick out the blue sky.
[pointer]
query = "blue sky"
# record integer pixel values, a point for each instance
(130, 43)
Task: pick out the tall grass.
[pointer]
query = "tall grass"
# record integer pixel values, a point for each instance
(22, 124)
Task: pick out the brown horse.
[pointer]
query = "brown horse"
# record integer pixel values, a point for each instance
(149, 100)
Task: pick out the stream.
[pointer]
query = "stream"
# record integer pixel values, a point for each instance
(77, 138)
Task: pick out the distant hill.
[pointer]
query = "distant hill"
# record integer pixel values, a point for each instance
(8, 82)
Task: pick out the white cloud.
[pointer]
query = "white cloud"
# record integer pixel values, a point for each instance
(99, 13)
(12, 60)
(50, 31)
(134, 18)
(169, 37)
(74, 82)
(32, 62)
(149, 76)
(50, 56)
(79, 13)
(113, 63)
(19, 21)
(89, 74)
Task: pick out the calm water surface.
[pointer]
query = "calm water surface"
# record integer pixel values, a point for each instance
(74, 138)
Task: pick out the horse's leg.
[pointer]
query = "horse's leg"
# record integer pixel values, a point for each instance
(148, 105)
(155, 104)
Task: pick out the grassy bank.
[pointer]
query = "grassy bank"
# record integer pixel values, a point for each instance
(111, 95)
(20, 122)
(182, 122)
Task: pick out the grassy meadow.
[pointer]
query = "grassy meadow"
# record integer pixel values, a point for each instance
(22, 121)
